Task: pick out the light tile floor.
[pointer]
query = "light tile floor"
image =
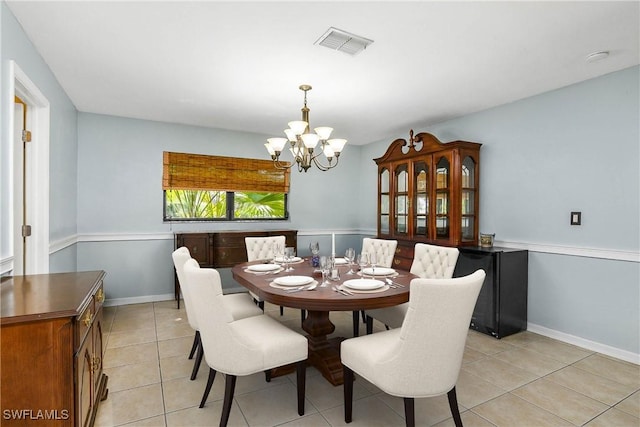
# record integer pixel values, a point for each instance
(522, 380)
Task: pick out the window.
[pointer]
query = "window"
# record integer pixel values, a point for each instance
(209, 188)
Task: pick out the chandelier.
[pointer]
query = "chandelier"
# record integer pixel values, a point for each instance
(303, 143)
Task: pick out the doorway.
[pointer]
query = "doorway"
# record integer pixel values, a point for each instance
(30, 161)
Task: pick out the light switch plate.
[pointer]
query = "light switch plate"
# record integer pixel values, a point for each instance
(576, 218)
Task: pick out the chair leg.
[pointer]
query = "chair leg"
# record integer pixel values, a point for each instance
(194, 346)
(267, 375)
(261, 305)
(198, 361)
(369, 325)
(229, 389)
(453, 404)
(409, 412)
(207, 389)
(301, 380)
(356, 323)
(364, 316)
(281, 311)
(347, 375)
(303, 314)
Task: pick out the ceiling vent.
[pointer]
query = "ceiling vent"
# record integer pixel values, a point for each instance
(343, 41)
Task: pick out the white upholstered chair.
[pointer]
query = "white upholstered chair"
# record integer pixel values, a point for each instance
(263, 248)
(384, 250)
(240, 347)
(424, 356)
(240, 305)
(429, 262)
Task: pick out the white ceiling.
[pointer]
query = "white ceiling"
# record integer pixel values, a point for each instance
(238, 65)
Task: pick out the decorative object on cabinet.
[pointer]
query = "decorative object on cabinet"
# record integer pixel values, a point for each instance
(501, 309)
(302, 143)
(52, 348)
(486, 240)
(428, 192)
(223, 249)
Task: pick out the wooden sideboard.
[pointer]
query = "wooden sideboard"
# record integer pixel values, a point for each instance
(223, 249)
(52, 349)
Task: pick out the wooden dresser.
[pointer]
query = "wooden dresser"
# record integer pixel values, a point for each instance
(223, 249)
(52, 349)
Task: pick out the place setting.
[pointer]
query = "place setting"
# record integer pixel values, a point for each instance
(263, 269)
(294, 283)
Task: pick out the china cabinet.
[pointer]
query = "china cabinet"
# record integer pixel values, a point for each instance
(428, 192)
(52, 349)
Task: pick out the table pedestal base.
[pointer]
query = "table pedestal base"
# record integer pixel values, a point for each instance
(324, 353)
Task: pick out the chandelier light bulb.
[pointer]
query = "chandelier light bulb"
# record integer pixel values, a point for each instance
(323, 132)
(291, 135)
(310, 140)
(298, 127)
(270, 149)
(277, 143)
(337, 144)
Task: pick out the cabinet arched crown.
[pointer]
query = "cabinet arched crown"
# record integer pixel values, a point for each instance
(428, 191)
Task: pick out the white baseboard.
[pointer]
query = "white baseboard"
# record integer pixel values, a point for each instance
(138, 300)
(156, 298)
(585, 343)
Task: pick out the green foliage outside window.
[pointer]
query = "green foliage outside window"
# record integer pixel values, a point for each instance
(221, 205)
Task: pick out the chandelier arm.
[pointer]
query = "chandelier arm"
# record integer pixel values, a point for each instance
(280, 165)
(322, 167)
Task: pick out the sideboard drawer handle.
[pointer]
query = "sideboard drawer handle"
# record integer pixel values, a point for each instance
(396, 261)
(87, 319)
(100, 296)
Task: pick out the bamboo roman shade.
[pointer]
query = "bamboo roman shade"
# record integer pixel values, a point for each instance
(183, 171)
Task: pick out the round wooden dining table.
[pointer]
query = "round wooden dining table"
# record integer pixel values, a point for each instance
(324, 353)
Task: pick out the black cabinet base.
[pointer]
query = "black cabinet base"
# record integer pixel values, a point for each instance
(501, 309)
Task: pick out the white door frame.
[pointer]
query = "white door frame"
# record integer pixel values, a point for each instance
(38, 173)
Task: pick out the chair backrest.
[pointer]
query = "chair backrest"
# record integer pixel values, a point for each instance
(259, 248)
(180, 257)
(223, 346)
(427, 357)
(385, 250)
(434, 262)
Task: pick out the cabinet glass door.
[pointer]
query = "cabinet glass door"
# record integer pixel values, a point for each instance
(421, 199)
(401, 202)
(384, 201)
(468, 199)
(442, 198)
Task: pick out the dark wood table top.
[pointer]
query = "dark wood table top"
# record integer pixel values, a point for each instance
(322, 298)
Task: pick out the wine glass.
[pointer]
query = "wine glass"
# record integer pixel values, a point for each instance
(289, 253)
(325, 269)
(363, 261)
(350, 255)
(373, 260)
(277, 253)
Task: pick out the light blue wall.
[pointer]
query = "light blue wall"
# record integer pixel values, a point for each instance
(572, 149)
(63, 136)
(120, 197)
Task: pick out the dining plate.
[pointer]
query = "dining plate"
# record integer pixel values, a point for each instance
(363, 284)
(281, 259)
(378, 271)
(341, 261)
(263, 267)
(292, 280)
